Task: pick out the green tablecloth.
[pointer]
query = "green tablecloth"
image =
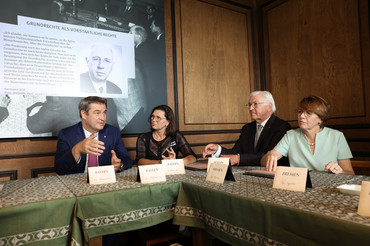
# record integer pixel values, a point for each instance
(35, 212)
(68, 211)
(65, 210)
(250, 212)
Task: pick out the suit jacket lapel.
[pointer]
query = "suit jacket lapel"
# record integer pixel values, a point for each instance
(81, 136)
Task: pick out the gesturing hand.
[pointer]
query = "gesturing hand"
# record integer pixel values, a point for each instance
(171, 154)
(115, 161)
(88, 146)
(92, 146)
(210, 149)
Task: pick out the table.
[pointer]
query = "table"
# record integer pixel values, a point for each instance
(65, 210)
(35, 212)
(250, 212)
(122, 206)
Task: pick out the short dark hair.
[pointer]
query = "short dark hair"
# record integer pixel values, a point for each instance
(317, 105)
(159, 22)
(170, 116)
(84, 104)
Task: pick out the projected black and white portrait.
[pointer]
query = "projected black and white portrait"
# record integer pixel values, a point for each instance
(56, 52)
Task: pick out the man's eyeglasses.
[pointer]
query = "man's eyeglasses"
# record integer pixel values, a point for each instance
(156, 118)
(307, 113)
(254, 105)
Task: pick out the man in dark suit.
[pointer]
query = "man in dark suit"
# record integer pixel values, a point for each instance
(100, 63)
(254, 143)
(131, 13)
(157, 28)
(91, 136)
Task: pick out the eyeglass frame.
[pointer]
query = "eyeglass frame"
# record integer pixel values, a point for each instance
(156, 118)
(254, 105)
(307, 113)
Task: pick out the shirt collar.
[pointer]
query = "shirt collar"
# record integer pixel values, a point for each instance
(88, 134)
(264, 122)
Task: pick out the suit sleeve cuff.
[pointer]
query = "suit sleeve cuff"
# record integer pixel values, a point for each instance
(218, 152)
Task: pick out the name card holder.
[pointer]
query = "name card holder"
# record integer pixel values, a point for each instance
(220, 160)
(101, 175)
(152, 173)
(219, 170)
(173, 167)
(216, 173)
(229, 174)
(364, 202)
(292, 178)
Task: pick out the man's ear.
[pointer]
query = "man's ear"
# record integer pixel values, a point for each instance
(83, 114)
(270, 105)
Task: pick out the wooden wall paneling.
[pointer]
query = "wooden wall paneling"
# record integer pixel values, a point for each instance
(45, 171)
(317, 47)
(214, 64)
(358, 133)
(212, 138)
(22, 155)
(361, 167)
(8, 175)
(130, 144)
(199, 141)
(23, 166)
(358, 140)
(24, 147)
(359, 148)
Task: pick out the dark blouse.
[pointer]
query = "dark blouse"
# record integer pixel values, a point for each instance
(147, 147)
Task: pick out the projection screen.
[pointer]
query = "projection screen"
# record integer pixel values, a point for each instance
(52, 52)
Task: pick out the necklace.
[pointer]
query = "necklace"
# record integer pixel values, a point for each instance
(307, 141)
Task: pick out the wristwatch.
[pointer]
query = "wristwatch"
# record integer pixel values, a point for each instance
(121, 167)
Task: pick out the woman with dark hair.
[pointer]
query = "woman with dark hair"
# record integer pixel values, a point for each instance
(164, 141)
(312, 145)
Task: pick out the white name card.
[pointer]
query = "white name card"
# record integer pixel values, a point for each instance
(221, 160)
(152, 173)
(290, 178)
(102, 175)
(364, 202)
(217, 172)
(173, 167)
